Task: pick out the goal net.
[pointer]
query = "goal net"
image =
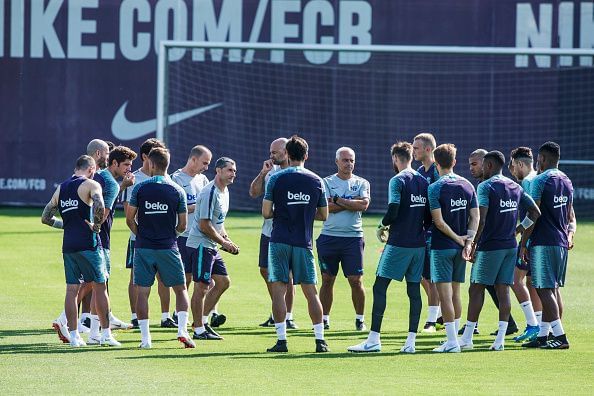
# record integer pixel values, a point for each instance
(237, 98)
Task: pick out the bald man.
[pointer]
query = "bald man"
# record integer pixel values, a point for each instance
(278, 160)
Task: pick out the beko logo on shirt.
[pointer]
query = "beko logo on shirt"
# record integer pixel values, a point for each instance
(155, 207)
(417, 200)
(298, 198)
(508, 206)
(560, 200)
(70, 204)
(458, 204)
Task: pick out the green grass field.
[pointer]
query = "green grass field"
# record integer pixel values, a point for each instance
(33, 360)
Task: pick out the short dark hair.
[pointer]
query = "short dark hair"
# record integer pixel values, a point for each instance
(159, 156)
(84, 162)
(402, 150)
(523, 154)
(445, 154)
(297, 148)
(495, 157)
(550, 150)
(121, 154)
(110, 145)
(198, 150)
(150, 144)
(223, 162)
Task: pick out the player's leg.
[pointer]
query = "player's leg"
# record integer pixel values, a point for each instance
(165, 299)
(84, 299)
(222, 282)
(548, 266)
(145, 271)
(536, 304)
(289, 299)
(100, 300)
(327, 295)
(329, 262)
(202, 263)
(433, 309)
(171, 270)
(132, 296)
(504, 313)
(304, 273)
(523, 296)
(352, 268)
(413, 291)
(512, 327)
(447, 268)
(263, 266)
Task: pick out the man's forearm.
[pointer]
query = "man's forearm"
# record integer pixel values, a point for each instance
(257, 186)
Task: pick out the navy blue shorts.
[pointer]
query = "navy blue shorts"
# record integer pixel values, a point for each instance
(185, 255)
(205, 263)
(130, 254)
(263, 257)
(334, 251)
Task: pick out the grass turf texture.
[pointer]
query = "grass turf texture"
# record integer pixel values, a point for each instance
(33, 360)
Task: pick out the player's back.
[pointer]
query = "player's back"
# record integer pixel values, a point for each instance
(409, 189)
(455, 196)
(78, 236)
(296, 193)
(555, 192)
(503, 198)
(159, 200)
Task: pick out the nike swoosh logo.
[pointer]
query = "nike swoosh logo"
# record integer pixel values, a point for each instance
(124, 129)
(368, 347)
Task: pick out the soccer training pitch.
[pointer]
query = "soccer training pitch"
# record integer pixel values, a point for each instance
(33, 360)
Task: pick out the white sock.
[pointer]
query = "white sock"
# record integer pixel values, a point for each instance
(457, 324)
(289, 316)
(145, 333)
(204, 320)
(360, 317)
(62, 318)
(529, 313)
(199, 330)
(182, 322)
(545, 327)
(433, 312)
(95, 324)
(111, 316)
(468, 331)
(538, 315)
(557, 328)
(373, 337)
(439, 312)
(500, 339)
(326, 318)
(451, 332)
(411, 338)
(134, 316)
(74, 334)
(165, 315)
(214, 311)
(319, 331)
(106, 333)
(84, 316)
(175, 313)
(281, 330)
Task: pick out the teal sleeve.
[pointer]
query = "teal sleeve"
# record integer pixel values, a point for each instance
(483, 191)
(270, 187)
(182, 207)
(394, 190)
(134, 196)
(526, 201)
(537, 187)
(433, 193)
